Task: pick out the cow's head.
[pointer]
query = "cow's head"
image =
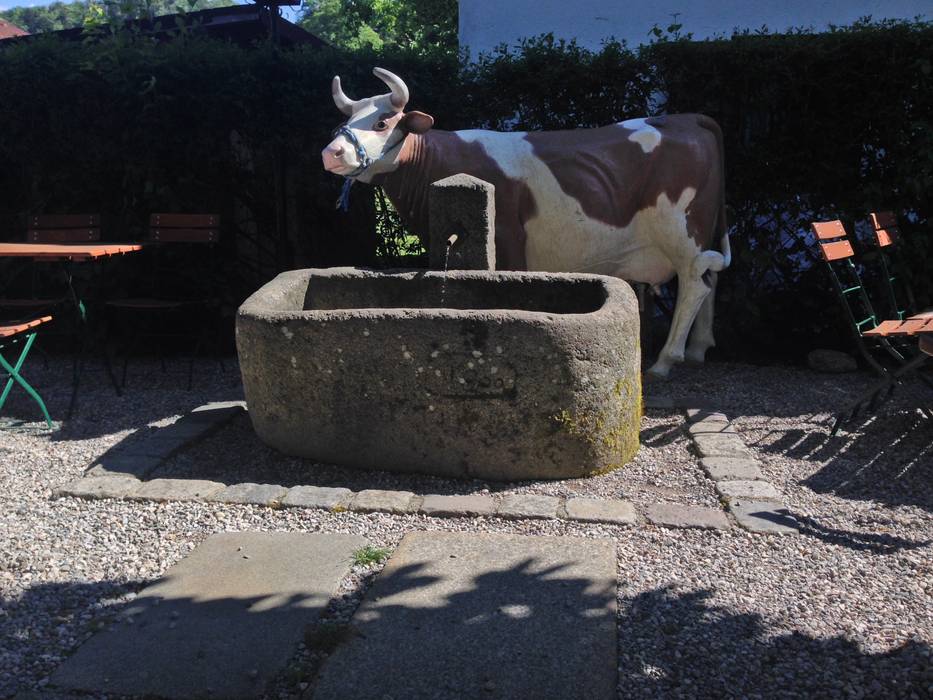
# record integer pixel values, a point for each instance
(365, 144)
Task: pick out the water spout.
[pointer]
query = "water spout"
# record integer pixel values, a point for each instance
(450, 241)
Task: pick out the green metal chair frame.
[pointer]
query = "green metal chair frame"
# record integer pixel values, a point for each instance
(838, 254)
(888, 239)
(24, 335)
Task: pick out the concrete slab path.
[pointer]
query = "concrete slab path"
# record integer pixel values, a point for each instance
(472, 615)
(221, 623)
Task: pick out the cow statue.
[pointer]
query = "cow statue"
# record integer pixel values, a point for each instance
(642, 200)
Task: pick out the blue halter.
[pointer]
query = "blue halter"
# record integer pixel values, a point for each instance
(343, 202)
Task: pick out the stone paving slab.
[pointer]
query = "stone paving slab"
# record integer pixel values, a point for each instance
(764, 517)
(111, 486)
(711, 427)
(318, 497)
(221, 623)
(217, 411)
(732, 468)
(527, 505)
(458, 506)
(372, 500)
(699, 414)
(255, 494)
(478, 615)
(115, 463)
(676, 515)
(597, 510)
(163, 490)
(753, 490)
(724, 445)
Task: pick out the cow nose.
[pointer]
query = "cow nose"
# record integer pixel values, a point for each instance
(337, 152)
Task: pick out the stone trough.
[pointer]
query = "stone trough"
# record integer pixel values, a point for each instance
(491, 375)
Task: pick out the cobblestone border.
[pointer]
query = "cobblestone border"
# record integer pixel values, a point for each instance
(120, 474)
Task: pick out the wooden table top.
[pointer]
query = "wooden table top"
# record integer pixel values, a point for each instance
(71, 251)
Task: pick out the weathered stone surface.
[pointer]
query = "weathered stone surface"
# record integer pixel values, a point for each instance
(731, 468)
(752, 490)
(115, 463)
(112, 486)
(598, 510)
(372, 500)
(528, 505)
(722, 445)
(177, 490)
(217, 411)
(699, 414)
(362, 368)
(710, 427)
(221, 623)
(458, 505)
(476, 615)
(763, 516)
(831, 361)
(318, 497)
(151, 446)
(256, 494)
(465, 207)
(676, 515)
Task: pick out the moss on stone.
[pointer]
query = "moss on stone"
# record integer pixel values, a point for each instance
(614, 431)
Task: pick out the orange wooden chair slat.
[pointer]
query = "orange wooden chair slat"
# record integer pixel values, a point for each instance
(827, 230)
(45, 221)
(836, 250)
(62, 235)
(9, 330)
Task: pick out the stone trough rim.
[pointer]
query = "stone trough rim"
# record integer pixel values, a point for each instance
(253, 307)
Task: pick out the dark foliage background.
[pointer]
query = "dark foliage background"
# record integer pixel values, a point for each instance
(827, 125)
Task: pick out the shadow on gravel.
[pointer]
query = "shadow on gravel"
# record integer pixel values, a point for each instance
(680, 645)
(862, 541)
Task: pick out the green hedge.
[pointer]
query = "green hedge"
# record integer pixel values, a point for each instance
(816, 125)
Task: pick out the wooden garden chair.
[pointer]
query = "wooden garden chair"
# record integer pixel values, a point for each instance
(169, 297)
(20, 335)
(887, 236)
(887, 355)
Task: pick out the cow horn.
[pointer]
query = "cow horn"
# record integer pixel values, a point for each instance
(344, 103)
(396, 84)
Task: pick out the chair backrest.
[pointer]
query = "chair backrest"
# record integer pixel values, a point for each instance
(837, 251)
(887, 234)
(184, 228)
(63, 228)
(884, 224)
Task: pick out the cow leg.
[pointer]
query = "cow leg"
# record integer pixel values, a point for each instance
(692, 291)
(701, 337)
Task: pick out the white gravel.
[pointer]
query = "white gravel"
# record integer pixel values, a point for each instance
(844, 610)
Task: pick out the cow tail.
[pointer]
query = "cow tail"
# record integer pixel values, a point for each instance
(722, 228)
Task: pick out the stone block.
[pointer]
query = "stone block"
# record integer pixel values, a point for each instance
(465, 207)
(376, 500)
(698, 414)
(731, 468)
(93, 487)
(722, 445)
(477, 615)
(256, 494)
(458, 506)
(318, 497)
(528, 505)
(763, 517)
(116, 463)
(598, 510)
(710, 427)
(177, 490)
(677, 515)
(220, 623)
(751, 490)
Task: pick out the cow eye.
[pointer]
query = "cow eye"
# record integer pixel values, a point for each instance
(381, 125)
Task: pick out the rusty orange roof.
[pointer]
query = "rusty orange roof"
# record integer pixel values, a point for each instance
(8, 29)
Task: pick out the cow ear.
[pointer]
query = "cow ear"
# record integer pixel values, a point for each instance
(416, 122)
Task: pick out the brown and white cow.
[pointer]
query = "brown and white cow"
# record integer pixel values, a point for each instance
(641, 200)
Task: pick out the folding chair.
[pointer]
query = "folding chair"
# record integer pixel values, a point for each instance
(890, 358)
(900, 296)
(178, 283)
(22, 334)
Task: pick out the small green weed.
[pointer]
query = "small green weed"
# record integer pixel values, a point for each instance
(369, 555)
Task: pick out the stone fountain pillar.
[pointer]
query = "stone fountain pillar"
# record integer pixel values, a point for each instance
(462, 206)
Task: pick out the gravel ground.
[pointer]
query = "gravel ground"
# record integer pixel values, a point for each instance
(844, 610)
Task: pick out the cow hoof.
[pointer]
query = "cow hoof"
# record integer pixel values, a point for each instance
(657, 374)
(695, 357)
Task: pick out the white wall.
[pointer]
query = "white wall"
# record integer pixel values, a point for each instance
(484, 24)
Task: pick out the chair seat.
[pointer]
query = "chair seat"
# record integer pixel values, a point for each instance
(8, 330)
